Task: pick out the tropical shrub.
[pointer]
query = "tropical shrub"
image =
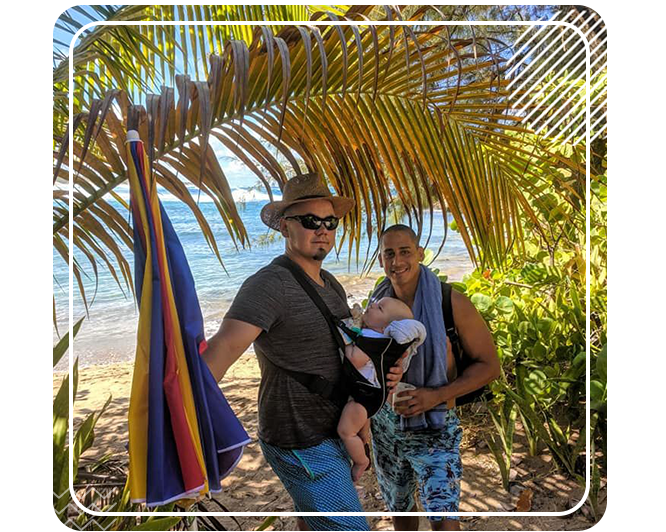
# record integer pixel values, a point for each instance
(535, 308)
(119, 499)
(83, 438)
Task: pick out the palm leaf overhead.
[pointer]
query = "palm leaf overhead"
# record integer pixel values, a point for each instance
(384, 113)
(139, 58)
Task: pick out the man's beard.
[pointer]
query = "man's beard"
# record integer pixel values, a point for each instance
(320, 254)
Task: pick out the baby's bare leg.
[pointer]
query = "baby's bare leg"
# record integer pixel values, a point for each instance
(353, 419)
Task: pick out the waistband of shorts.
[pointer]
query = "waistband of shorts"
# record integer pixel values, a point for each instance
(450, 416)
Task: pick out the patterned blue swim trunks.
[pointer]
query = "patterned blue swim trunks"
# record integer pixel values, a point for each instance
(427, 459)
(318, 479)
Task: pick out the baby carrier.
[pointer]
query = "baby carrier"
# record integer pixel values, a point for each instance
(384, 353)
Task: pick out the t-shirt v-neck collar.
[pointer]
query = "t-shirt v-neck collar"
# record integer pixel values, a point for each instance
(327, 282)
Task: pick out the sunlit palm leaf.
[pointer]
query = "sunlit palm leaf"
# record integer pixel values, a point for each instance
(359, 115)
(139, 58)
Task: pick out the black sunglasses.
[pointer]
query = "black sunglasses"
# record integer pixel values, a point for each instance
(310, 221)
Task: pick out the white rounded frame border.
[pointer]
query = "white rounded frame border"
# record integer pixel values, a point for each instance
(343, 23)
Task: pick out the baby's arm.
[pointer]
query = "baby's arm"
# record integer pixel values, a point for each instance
(357, 357)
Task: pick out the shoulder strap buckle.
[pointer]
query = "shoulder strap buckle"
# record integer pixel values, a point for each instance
(322, 386)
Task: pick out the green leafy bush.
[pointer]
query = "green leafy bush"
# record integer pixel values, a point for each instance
(535, 308)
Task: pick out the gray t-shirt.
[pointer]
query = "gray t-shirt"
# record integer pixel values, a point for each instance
(296, 337)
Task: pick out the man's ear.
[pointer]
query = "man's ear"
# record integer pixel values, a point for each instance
(381, 262)
(284, 230)
(421, 254)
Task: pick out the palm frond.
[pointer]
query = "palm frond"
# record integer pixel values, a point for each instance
(381, 116)
(139, 58)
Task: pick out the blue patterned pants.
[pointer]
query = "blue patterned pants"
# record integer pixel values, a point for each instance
(427, 459)
(318, 479)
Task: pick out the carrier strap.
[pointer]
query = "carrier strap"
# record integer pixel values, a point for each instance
(450, 324)
(310, 290)
(337, 393)
(315, 384)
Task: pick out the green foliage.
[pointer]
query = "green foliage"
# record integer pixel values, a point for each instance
(267, 522)
(267, 239)
(501, 442)
(61, 348)
(539, 332)
(83, 437)
(535, 308)
(158, 523)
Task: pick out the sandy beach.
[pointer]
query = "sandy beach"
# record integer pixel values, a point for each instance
(253, 486)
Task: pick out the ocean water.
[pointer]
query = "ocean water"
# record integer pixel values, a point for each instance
(108, 333)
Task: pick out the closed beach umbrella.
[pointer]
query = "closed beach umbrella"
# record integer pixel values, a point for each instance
(183, 436)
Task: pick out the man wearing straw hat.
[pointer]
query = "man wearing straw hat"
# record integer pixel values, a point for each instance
(297, 427)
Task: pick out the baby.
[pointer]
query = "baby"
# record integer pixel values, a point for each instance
(381, 319)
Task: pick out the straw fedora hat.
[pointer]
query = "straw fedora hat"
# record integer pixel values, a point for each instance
(299, 189)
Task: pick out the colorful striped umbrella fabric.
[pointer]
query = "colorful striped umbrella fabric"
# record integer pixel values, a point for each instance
(183, 436)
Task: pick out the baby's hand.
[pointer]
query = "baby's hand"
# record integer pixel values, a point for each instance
(357, 315)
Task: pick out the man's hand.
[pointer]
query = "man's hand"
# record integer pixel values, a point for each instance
(395, 374)
(422, 400)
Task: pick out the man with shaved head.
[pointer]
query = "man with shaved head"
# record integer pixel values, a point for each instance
(416, 444)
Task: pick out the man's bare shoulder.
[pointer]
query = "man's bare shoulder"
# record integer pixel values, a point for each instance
(472, 328)
(461, 304)
(467, 317)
